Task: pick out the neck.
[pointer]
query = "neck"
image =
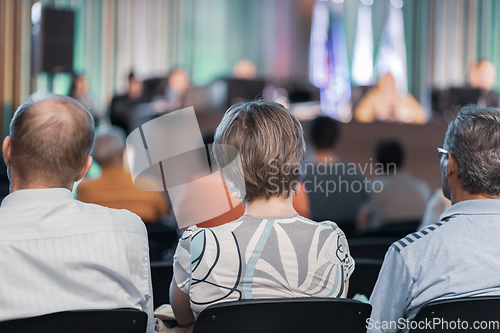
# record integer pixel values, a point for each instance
(276, 206)
(16, 186)
(459, 196)
(325, 156)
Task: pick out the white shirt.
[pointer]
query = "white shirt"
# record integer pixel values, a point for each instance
(57, 254)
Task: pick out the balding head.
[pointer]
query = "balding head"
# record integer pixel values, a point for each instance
(50, 139)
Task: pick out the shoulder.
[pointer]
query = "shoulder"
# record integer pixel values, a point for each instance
(422, 238)
(119, 219)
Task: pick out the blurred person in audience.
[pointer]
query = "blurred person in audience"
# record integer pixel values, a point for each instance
(396, 195)
(79, 91)
(122, 106)
(342, 204)
(437, 204)
(384, 103)
(114, 187)
(58, 253)
(245, 69)
(482, 77)
(271, 251)
(458, 256)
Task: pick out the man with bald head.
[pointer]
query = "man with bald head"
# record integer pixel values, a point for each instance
(58, 253)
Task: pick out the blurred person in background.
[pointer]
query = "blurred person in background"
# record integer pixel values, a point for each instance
(79, 91)
(341, 205)
(397, 196)
(384, 103)
(245, 69)
(114, 187)
(482, 77)
(456, 257)
(122, 106)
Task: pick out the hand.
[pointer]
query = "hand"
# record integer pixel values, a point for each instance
(160, 326)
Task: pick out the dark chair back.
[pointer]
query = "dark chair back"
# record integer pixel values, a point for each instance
(80, 321)
(364, 277)
(372, 247)
(285, 315)
(161, 275)
(394, 229)
(460, 315)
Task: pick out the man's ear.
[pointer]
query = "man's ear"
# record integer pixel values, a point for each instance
(451, 170)
(7, 144)
(85, 169)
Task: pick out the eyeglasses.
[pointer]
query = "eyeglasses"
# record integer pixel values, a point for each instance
(442, 152)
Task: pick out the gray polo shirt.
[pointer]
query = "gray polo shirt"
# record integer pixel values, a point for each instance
(457, 257)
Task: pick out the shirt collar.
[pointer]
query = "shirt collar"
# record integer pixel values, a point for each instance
(473, 207)
(46, 195)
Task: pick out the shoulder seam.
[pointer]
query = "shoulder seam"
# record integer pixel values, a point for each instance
(399, 245)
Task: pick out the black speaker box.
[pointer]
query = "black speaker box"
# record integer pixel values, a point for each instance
(53, 41)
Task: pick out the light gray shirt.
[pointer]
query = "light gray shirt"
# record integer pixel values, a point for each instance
(57, 254)
(457, 257)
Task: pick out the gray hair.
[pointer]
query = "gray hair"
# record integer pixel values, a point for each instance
(109, 144)
(51, 137)
(473, 138)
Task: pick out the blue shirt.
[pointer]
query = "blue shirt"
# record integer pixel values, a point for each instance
(457, 257)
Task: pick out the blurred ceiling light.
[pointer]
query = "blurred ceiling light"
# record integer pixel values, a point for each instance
(367, 2)
(338, 1)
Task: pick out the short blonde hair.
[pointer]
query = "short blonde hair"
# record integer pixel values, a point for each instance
(271, 144)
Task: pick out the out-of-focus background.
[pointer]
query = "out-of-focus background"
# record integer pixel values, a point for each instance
(315, 57)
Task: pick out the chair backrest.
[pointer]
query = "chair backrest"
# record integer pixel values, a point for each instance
(286, 315)
(373, 247)
(80, 321)
(161, 275)
(471, 314)
(364, 277)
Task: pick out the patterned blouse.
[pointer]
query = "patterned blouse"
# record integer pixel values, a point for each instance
(262, 258)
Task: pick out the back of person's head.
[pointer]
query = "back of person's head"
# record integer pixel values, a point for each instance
(325, 132)
(51, 137)
(390, 154)
(473, 138)
(109, 144)
(271, 144)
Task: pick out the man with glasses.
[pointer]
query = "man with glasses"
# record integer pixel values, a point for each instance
(458, 256)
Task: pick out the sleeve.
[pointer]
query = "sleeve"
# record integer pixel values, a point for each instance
(344, 255)
(391, 294)
(182, 260)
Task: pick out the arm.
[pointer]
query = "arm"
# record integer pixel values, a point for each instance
(180, 305)
(392, 292)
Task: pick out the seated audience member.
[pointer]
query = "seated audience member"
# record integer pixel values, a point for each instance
(339, 202)
(401, 198)
(384, 103)
(122, 106)
(270, 251)
(58, 253)
(114, 187)
(79, 92)
(482, 77)
(458, 256)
